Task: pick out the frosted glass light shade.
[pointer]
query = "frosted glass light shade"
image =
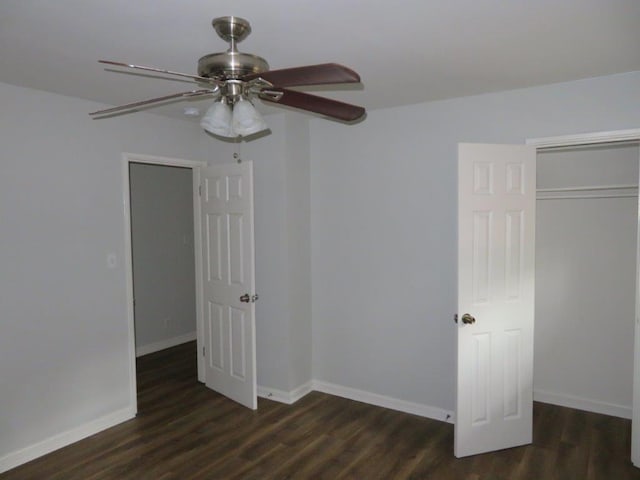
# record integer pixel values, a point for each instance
(217, 120)
(246, 119)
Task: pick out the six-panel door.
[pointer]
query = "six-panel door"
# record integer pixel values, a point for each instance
(227, 230)
(496, 247)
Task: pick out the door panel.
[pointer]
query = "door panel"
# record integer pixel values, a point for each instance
(496, 234)
(238, 334)
(227, 209)
(213, 247)
(215, 337)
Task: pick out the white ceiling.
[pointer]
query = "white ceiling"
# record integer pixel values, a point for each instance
(407, 51)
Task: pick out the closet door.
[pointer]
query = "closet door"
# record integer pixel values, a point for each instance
(496, 234)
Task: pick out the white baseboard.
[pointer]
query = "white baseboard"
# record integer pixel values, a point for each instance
(39, 449)
(27, 454)
(580, 403)
(358, 395)
(168, 343)
(285, 397)
(384, 401)
(297, 393)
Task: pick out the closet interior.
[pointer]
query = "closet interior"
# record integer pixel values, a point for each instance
(586, 257)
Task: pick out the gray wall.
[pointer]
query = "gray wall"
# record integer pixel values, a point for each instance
(163, 257)
(585, 280)
(63, 318)
(298, 207)
(383, 226)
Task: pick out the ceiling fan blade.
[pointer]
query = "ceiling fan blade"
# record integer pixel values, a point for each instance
(129, 106)
(160, 70)
(313, 103)
(321, 74)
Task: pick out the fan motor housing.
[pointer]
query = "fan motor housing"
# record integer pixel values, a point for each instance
(231, 65)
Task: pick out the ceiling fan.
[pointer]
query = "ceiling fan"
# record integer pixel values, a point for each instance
(235, 79)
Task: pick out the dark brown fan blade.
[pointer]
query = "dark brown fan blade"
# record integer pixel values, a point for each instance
(313, 103)
(322, 74)
(160, 70)
(129, 106)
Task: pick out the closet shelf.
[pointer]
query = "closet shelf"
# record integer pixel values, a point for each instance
(593, 191)
(587, 188)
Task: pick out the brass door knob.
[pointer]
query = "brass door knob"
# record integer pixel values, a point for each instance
(246, 298)
(468, 319)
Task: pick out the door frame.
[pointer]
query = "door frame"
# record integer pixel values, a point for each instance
(595, 138)
(127, 159)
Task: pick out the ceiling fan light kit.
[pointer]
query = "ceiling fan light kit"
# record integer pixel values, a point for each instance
(217, 119)
(235, 79)
(243, 121)
(246, 120)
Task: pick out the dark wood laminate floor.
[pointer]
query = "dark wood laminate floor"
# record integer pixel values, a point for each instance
(185, 431)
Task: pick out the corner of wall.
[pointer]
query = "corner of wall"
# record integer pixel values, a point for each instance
(298, 205)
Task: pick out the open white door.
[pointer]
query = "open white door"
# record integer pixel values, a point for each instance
(496, 248)
(228, 281)
(635, 416)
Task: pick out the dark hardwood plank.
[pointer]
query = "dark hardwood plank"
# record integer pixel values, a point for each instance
(186, 431)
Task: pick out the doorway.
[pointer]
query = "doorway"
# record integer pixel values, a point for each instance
(586, 247)
(168, 325)
(603, 138)
(163, 257)
(496, 237)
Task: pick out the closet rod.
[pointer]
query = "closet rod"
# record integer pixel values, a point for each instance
(582, 189)
(578, 197)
